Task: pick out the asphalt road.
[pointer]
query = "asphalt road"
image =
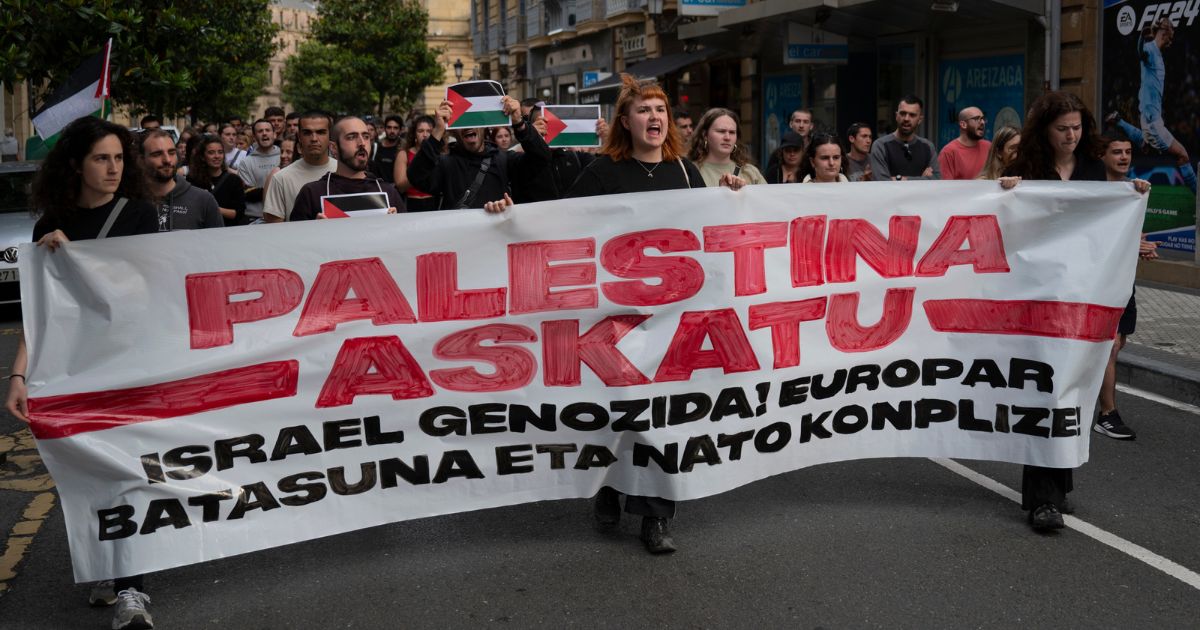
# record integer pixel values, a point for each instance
(898, 543)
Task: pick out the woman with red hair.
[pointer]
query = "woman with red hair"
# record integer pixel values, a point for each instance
(643, 151)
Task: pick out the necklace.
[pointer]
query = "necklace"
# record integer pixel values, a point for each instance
(649, 171)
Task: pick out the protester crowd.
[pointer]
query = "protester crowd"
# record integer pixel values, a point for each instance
(101, 180)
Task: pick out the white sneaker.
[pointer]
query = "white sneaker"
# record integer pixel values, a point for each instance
(102, 594)
(131, 611)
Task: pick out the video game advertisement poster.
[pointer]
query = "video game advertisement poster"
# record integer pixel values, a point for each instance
(1150, 60)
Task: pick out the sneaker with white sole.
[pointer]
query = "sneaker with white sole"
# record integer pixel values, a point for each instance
(1110, 424)
(103, 594)
(131, 611)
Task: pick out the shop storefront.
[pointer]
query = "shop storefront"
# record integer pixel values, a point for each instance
(852, 64)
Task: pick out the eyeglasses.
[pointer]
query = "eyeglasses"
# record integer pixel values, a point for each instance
(908, 153)
(978, 119)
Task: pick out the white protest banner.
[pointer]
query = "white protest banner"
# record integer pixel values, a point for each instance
(203, 394)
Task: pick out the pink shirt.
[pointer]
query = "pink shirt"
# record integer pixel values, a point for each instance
(959, 161)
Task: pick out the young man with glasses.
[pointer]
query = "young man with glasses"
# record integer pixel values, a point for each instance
(904, 155)
(965, 156)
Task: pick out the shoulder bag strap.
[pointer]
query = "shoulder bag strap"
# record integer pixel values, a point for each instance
(472, 191)
(112, 217)
(685, 175)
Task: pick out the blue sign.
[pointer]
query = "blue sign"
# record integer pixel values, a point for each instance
(782, 95)
(708, 7)
(994, 84)
(816, 53)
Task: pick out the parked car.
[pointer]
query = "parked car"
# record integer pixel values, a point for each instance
(16, 223)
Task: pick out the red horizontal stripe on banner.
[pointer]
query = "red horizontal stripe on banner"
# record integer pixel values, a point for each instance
(71, 414)
(1063, 320)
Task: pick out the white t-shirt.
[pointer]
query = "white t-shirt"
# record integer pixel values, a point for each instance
(286, 184)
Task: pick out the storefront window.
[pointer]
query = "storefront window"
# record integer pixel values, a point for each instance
(897, 77)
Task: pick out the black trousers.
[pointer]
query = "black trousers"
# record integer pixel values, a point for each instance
(1045, 485)
(134, 581)
(654, 507)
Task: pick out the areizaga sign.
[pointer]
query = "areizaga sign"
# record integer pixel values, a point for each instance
(200, 394)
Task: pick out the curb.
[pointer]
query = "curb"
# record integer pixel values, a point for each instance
(1159, 377)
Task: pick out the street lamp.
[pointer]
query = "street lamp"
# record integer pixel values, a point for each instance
(458, 68)
(504, 57)
(546, 92)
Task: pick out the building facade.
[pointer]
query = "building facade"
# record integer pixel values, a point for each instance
(449, 31)
(294, 19)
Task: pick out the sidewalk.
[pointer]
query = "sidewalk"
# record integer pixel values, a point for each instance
(1163, 355)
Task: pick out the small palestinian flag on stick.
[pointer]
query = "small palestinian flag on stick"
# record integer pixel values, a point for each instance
(571, 125)
(476, 104)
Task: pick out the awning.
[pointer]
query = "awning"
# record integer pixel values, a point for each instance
(651, 69)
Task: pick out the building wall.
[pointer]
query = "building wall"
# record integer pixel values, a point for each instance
(294, 21)
(449, 30)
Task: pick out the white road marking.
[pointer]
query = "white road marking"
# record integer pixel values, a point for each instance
(1162, 400)
(1175, 570)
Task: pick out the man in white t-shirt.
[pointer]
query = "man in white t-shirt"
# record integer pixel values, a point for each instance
(314, 162)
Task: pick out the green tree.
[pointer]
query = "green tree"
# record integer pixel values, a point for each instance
(206, 55)
(321, 77)
(362, 48)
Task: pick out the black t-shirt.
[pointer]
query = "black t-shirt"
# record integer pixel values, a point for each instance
(1087, 169)
(606, 177)
(228, 191)
(385, 161)
(308, 202)
(137, 217)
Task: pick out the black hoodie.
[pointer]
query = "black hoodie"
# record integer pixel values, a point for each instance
(449, 176)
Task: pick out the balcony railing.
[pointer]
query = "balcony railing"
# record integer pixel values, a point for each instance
(617, 7)
(514, 30)
(534, 26)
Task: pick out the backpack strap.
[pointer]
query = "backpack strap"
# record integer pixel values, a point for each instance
(112, 217)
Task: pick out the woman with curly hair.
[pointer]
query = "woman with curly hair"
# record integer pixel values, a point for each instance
(717, 151)
(90, 186)
(1058, 143)
(417, 200)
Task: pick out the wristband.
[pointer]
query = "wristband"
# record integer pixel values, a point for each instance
(12, 376)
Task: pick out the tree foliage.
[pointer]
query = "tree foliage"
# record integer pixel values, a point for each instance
(364, 55)
(208, 56)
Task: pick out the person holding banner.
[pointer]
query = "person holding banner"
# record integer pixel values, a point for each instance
(89, 187)
(352, 140)
(1058, 143)
(642, 152)
(822, 163)
(718, 152)
(787, 162)
(1002, 152)
(475, 172)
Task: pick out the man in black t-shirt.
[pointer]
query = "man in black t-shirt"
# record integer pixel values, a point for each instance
(351, 143)
(383, 163)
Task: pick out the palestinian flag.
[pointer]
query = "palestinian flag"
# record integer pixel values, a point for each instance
(476, 104)
(85, 93)
(571, 125)
(354, 204)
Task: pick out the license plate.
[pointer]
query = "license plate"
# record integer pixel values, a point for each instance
(8, 275)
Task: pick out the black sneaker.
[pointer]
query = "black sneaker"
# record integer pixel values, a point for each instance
(1110, 424)
(1046, 517)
